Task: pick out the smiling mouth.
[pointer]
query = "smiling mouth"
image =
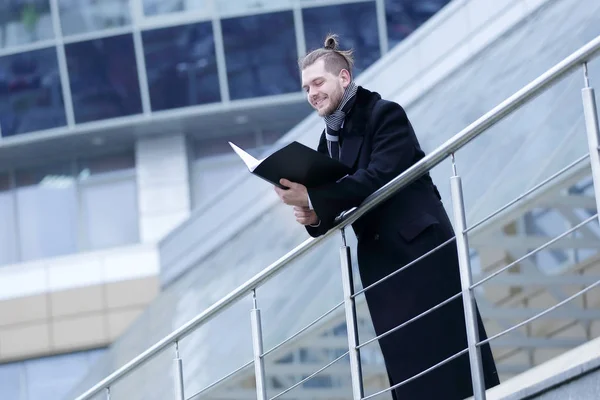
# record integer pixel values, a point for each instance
(318, 103)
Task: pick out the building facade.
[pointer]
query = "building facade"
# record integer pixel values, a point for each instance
(114, 122)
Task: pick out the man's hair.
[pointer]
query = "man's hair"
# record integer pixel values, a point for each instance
(335, 59)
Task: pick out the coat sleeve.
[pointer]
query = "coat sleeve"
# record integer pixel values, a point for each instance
(393, 151)
(323, 226)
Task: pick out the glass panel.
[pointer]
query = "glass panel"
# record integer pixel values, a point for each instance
(24, 21)
(52, 377)
(260, 64)
(182, 67)
(30, 92)
(229, 8)
(404, 16)
(8, 242)
(105, 164)
(78, 16)
(356, 25)
(110, 213)
(10, 381)
(104, 80)
(156, 7)
(47, 212)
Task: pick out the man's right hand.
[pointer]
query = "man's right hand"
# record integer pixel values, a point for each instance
(306, 216)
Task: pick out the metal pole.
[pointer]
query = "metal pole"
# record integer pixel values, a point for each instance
(179, 390)
(107, 393)
(351, 325)
(466, 280)
(257, 344)
(593, 132)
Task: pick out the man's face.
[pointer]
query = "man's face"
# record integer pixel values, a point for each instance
(324, 90)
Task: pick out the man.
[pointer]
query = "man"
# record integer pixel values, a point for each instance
(375, 138)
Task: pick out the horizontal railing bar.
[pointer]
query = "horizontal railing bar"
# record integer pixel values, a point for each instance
(404, 382)
(522, 279)
(535, 87)
(530, 191)
(310, 376)
(535, 251)
(222, 379)
(432, 309)
(541, 314)
(531, 90)
(303, 329)
(403, 268)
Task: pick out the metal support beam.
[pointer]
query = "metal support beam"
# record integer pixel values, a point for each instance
(468, 297)
(178, 375)
(593, 132)
(352, 327)
(257, 342)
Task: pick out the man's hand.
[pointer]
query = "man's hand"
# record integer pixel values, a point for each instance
(296, 195)
(306, 216)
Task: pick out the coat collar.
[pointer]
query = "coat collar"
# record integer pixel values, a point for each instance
(355, 125)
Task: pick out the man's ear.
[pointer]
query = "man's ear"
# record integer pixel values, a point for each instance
(345, 78)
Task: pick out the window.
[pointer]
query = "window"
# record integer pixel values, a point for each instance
(104, 79)
(261, 55)
(356, 25)
(239, 7)
(77, 16)
(8, 242)
(30, 92)
(108, 201)
(182, 66)
(405, 16)
(157, 7)
(48, 378)
(63, 208)
(24, 21)
(10, 381)
(47, 211)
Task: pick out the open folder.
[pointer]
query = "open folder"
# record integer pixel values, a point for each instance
(297, 163)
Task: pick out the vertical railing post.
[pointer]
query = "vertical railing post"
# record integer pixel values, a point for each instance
(179, 390)
(466, 280)
(593, 132)
(351, 325)
(257, 344)
(108, 393)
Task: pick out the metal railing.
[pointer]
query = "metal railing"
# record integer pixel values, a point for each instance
(578, 59)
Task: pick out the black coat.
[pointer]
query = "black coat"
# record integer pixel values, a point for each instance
(378, 143)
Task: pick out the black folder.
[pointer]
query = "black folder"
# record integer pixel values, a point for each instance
(297, 163)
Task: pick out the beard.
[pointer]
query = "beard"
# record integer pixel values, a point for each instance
(335, 99)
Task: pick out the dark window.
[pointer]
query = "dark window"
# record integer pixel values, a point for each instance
(104, 80)
(404, 16)
(4, 181)
(356, 25)
(99, 165)
(30, 92)
(261, 55)
(182, 67)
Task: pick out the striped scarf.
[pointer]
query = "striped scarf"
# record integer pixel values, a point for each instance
(334, 120)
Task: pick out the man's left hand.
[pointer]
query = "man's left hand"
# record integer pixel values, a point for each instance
(296, 195)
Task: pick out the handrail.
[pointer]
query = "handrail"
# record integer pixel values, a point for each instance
(534, 88)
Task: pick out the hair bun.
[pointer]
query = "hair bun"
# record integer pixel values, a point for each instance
(331, 42)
